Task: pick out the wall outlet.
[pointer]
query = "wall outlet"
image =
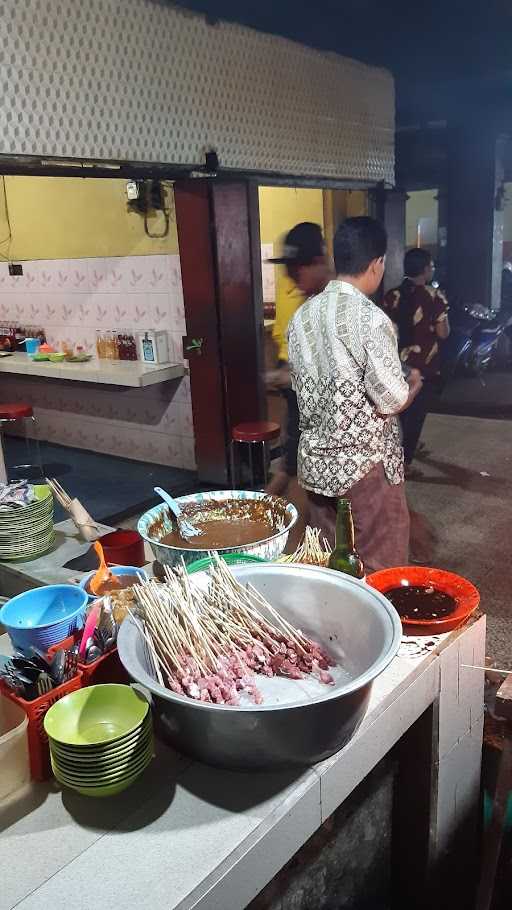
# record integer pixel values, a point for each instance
(15, 268)
(132, 190)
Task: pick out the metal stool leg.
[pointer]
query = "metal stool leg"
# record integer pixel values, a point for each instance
(3, 470)
(38, 462)
(251, 463)
(232, 466)
(265, 465)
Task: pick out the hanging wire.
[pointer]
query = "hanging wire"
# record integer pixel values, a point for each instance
(8, 239)
(165, 211)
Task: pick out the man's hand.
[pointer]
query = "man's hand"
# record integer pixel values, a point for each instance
(278, 379)
(414, 381)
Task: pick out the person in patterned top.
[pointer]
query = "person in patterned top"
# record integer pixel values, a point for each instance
(349, 383)
(420, 314)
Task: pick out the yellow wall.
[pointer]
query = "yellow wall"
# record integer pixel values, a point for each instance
(72, 217)
(283, 207)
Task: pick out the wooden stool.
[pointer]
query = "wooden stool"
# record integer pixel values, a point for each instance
(15, 415)
(253, 433)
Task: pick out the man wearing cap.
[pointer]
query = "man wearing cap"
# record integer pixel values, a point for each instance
(304, 257)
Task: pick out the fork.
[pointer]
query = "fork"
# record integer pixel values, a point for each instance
(70, 665)
(185, 528)
(44, 684)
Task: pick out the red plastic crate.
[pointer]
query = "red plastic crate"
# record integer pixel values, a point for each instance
(107, 669)
(35, 710)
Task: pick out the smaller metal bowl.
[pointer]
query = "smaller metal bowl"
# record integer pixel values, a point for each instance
(157, 522)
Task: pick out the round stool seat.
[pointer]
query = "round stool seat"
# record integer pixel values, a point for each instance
(256, 431)
(15, 411)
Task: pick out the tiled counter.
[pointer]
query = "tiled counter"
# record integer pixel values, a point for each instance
(189, 836)
(133, 374)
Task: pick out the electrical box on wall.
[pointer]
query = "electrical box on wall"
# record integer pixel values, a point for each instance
(145, 196)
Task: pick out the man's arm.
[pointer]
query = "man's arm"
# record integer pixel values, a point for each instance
(443, 327)
(383, 378)
(441, 321)
(415, 382)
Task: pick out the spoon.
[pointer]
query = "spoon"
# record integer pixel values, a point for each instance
(103, 573)
(57, 666)
(185, 528)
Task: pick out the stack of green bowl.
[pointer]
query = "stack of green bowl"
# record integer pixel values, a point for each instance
(26, 532)
(101, 739)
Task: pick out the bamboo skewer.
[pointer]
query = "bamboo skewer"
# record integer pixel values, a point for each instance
(208, 644)
(312, 550)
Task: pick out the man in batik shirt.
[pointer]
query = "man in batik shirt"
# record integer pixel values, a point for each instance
(420, 314)
(349, 382)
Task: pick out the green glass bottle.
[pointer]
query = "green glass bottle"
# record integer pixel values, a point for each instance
(344, 557)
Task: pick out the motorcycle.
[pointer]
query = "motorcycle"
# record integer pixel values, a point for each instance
(475, 341)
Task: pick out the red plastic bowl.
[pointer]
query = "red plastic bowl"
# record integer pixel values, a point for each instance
(466, 595)
(123, 548)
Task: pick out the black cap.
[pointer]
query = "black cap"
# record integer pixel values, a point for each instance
(302, 245)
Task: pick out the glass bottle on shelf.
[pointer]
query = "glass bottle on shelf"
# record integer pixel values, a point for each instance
(114, 345)
(100, 345)
(132, 346)
(344, 557)
(124, 347)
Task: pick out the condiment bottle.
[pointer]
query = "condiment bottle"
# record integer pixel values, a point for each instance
(344, 557)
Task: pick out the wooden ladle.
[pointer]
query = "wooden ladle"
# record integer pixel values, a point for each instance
(103, 573)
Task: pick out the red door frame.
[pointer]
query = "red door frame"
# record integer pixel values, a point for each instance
(219, 243)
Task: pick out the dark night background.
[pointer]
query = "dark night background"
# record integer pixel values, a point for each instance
(433, 40)
(452, 62)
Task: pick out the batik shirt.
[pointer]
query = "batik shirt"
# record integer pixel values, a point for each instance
(416, 310)
(347, 375)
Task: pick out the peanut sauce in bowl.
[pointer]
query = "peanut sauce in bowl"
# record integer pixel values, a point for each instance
(233, 521)
(221, 533)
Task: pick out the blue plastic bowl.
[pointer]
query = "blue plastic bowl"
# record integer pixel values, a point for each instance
(116, 570)
(42, 617)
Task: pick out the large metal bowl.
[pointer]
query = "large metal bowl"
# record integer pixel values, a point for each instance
(355, 623)
(156, 523)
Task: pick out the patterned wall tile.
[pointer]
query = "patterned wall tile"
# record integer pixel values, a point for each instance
(143, 80)
(71, 299)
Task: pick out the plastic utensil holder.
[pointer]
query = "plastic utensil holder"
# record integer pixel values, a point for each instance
(106, 669)
(38, 748)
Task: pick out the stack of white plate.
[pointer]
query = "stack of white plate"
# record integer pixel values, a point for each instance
(26, 532)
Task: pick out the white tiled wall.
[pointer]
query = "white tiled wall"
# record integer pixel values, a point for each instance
(73, 298)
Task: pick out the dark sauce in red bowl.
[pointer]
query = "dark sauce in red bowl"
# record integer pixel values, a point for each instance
(415, 602)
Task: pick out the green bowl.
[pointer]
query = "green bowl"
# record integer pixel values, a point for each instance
(232, 559)
(125, 743)
(103, 760)
(92, 773)
(105, 757)
(109, 790)
(100, 778)
(96, 715)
